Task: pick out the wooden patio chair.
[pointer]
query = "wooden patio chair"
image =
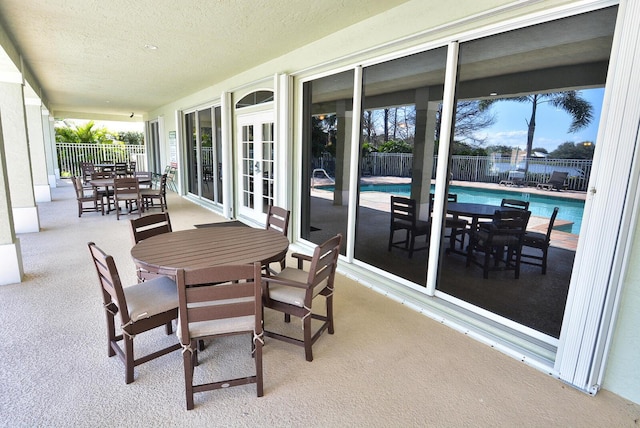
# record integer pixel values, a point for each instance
(142, 307)
(293, 291)
(121, 169)
(145, 227)
(87, 195)
(150, 195)
(87, 168)
(404, 217)
(278, 221)
(127, 190)
(501, 239)
(540, 241)
(104, 192)
(219, 301)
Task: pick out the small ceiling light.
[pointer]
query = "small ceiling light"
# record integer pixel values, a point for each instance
(493, 94)
(151, 47)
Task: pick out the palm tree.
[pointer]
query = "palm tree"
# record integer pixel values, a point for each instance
(82, 134)
(571, 102)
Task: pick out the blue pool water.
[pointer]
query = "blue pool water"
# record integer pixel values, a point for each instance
(539, 205)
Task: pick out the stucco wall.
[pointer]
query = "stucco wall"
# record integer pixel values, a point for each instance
(622, 374)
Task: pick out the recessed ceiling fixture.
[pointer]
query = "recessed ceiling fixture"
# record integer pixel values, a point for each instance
(151, 47)
(493, 94)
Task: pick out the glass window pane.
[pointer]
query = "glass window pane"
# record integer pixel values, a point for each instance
(528, 108)
(326, 147)
(400, 115)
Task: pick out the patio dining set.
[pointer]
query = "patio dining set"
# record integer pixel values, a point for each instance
(214, 281)
(113, 185)
(499, 233)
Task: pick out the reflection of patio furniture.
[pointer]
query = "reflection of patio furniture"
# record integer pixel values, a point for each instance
(556, 181)
(404, 217)
(457, 226)
(515, 203)
(540, 241)
(516, 178)
(506, 231)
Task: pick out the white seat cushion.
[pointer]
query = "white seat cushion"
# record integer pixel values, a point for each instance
(222, 326)
(292, 295)
(151, 297)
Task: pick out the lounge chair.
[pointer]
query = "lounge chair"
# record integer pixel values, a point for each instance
(556, 181)
(516, 179)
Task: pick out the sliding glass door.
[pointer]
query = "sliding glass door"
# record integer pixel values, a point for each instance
(527, 106)
(204, 147)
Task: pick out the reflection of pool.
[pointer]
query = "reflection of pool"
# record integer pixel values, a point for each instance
(540, 205)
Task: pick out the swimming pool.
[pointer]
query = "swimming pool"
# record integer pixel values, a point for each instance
(539, 205)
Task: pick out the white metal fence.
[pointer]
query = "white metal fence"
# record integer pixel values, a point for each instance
(71, 154)
(489, 169)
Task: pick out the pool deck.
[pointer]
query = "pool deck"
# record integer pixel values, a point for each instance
(380, 201)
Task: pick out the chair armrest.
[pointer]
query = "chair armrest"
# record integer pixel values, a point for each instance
(301, 258)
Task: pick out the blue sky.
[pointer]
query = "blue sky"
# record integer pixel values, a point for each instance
(552, 124)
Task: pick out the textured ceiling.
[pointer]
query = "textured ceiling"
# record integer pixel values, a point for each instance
(90, 56)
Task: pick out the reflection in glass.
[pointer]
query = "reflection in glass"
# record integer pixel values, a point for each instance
(400, 116)
(519, 84)
(328, 109)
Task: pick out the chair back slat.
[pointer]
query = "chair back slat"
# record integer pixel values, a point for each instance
(109, 279)
(515, 204)
(149, 225)
(278, 219)
(403, 209)
(219, 292)
(324, 261)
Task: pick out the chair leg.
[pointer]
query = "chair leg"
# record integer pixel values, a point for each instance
(111, 334)
(169, 328)
(330, 314)
(308, 353)
(128, 357)
(187, 358)
(485, 266)
(544, 260)
(257, 355)
(412, 241)
(287, 317)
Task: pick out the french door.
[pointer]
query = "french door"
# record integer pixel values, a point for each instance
(255, 159)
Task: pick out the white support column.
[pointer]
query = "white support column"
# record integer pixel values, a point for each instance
(37, 153)
(53, 173)
(11, 271)
(16, 148)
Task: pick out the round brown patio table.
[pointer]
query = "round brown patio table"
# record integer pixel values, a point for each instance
(474, 211)
(209, 246)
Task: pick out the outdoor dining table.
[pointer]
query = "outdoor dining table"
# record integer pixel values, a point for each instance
(475, 212)
(107, 183)
(209, 246)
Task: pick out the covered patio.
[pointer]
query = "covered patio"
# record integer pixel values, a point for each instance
(386, 365)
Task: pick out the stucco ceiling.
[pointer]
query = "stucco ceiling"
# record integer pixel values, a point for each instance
(90, 55)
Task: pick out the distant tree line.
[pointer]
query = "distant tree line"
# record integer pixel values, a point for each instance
(90, 134)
